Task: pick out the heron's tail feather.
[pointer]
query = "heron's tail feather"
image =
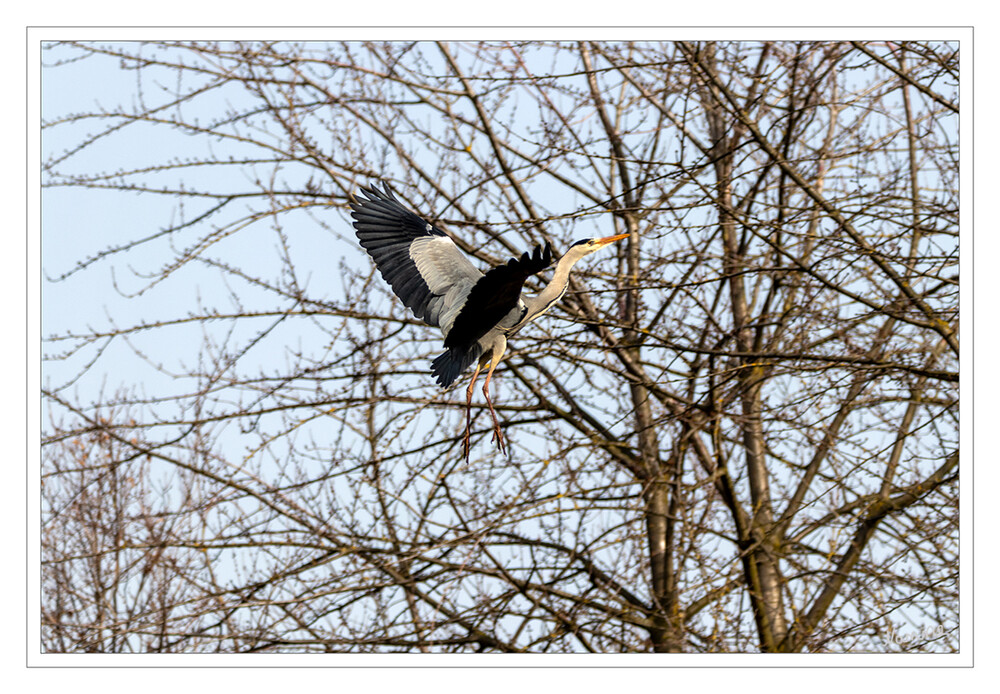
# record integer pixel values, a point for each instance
(448, 366)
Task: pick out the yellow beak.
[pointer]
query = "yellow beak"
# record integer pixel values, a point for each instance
(600, 243)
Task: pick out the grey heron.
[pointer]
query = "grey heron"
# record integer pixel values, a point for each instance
(476, 312)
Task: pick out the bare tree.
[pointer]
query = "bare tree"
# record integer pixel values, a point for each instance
(740, 434)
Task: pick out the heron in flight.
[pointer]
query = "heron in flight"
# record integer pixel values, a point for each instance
(476, 312)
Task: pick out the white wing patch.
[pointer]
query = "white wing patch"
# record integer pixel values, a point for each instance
(441, 263)
(449, 275)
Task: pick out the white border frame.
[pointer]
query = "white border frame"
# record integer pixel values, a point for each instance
(35, 35)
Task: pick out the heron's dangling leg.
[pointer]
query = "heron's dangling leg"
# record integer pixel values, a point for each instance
(497, 434)
(468, 410)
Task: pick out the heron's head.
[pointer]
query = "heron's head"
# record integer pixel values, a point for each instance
(588, 246)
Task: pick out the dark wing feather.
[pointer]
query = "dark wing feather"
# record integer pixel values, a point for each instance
(494, 296)
(387, 230)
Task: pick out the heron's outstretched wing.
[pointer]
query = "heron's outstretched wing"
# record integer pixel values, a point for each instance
(422, 265)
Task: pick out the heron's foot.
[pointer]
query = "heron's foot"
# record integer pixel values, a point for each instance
(498, 439)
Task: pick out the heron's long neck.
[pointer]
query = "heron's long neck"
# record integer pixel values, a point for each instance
(544, 300)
